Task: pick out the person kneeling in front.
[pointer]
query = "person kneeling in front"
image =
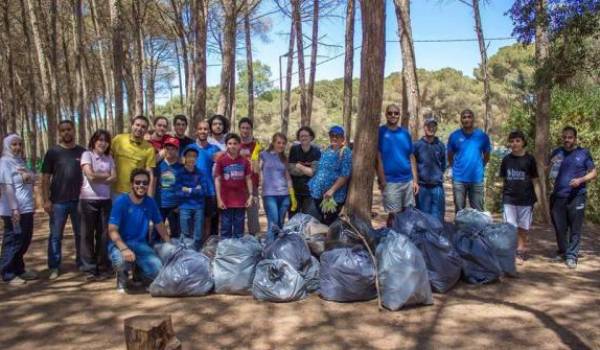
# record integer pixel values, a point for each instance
(128, 231)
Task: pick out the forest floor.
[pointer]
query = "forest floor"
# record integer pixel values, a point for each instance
(546, 307)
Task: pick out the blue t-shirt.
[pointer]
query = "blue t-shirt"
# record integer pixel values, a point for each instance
(331, 166)
(395, 147)
(197, 182)
(133, 219)
(166, 192)
(574, 164)
(205, 163)
(468, 149)
(431, 161)
(273, 174)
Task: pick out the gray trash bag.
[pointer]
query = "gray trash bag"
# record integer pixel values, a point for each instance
(291, 248)
(311, 275)
(235, 263)
(403, 277)
(411, 218)
(480, 264)
(347, 274)
(186, 274)
(298, 223)
(503, 240)
(210, 246)
(165, 250)
(277, 281)
(471, 220)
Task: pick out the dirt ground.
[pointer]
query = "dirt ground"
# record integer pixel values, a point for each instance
(546, 307)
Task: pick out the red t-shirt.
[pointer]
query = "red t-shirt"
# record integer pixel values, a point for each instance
(233, 172)
(246, 151)
(158, 144)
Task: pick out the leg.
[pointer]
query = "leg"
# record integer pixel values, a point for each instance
(438, 202)
(270, 206)
(425, 199)
(198, 228)
(102, 261)
(146, 260)
(238, 222)
(26, 223)
(283, 207)
(252, 214)
(559, 218)
(576, 216)
(476, 196)
(185, 222)
(314, 209)
(58, 219)
(88, 215)
(73, 213)
(173, 217)
(120, 265)
(226, 223)
(460, 199)
(11, 244)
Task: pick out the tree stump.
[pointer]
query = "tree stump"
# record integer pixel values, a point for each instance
(150, 332)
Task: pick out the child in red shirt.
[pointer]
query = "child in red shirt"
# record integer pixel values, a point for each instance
(233, 182)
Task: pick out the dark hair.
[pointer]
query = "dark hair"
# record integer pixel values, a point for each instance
(233, 136)
(278, 135)
(138, 171)
(308, 129)
(571, 129)
(188, 150)
(517, 134)
(247, 121)
(141, 117)
(156, 119)
(66, 121)
(223, 120)
(467, 111)
(96, 136)
(181, 117)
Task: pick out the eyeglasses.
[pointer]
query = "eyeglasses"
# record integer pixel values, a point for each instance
(141, 183)
(393, 113)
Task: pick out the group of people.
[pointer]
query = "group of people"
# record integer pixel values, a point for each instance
(120, 191)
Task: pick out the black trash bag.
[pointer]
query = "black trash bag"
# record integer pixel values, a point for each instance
(403, 277)
(277, 281)
(411, 218)
(471, 220)
(311, 275)
(503, 240)
(480, 264)
(186, 274)
(210, 246)
(235, 263)
(347, 274)
(341, 235)
(291, 248)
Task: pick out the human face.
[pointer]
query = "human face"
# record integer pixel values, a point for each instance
(202, 131)
(139, 186)
(233, 147)
(139, 128)
(172, 151)
(516, 144)
(217, 127)
(336, 141)
(304, 138)
(190, 159)
(180, 126)
(160, 128)
(245, 130)
(66, 133)
(569, 139)
(392, 116)
(467, 120)
(16, 147)
(101, 145)
(430, 129)
(279, 145)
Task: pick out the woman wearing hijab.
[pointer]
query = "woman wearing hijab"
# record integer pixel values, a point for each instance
(16, 209)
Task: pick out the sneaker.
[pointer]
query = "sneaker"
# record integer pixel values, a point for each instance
(29, 275)
(17, 281)
(571, 264)
(122, 282)
(558, 259)
(91, 276)
(53, 274)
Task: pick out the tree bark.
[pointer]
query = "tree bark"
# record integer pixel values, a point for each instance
(56, 88)
(11, 112)
(542, 110)
(228, 57)
(487, 111)
(69, 81)
(297, 20)
(313, 61)
(138, 52)
(249, 67)
(116, 22)
(285, 118)
(78, 49)
(201, 13)
(348, 69)
(411, 117)
(32, 122)
(360, 196)
(104, 65)
(183, 42)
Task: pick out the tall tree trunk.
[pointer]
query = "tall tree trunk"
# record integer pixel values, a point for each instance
(487, 112)
(3, 117)
(32, 129)
(201, 13)
(542, 109)
(104, 65)
(411, 116)
(179, 76)
(56, 88)
(228, 57)
(69, 82)
(46, 77)
(360, 196)
(138, 52)
(183, 42)
(78, 48)
(348, 69)
(249, 64)
(11, 112)
(116, 23)
(285, 119)
(297, 20)
(313, 61)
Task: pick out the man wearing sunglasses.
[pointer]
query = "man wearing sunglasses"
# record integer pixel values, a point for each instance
(128, 231)
(396, 165)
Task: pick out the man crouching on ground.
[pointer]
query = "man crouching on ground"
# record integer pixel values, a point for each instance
(128, 230)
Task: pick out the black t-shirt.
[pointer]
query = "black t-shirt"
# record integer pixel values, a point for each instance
(518, 173)
(64, 164)
(297, 155)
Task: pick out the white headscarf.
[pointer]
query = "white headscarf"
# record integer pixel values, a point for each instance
(8, 155)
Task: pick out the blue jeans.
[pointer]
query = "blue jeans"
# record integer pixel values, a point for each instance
(192, 225)
(431, 200)
(232, 222)
(173, 217)
(145, 259)
(462, 190)
(58, 220)
(275, 207)
(14, 246)
(568, 215)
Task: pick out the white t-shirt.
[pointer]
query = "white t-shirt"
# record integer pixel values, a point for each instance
(102, 164)
(11, 175)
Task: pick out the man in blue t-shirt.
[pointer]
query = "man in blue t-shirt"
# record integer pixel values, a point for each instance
(128, 231)
(572, 167)
(430, 154)
(468, 154)
(396, 165)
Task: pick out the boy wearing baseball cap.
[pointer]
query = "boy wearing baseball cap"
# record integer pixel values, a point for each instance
(166, 192)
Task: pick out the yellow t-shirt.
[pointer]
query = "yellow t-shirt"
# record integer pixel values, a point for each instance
(129, 154)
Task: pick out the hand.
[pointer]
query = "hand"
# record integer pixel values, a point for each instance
(186, 190)
(328, 194)
(576, 182)
(299, 166)
(128, 255)
(27, 176)
(16, 217)
(249, 201)
(48, 207)
(415, 188)
(220, 204)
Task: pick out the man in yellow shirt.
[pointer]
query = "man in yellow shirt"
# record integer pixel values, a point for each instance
(131, 151)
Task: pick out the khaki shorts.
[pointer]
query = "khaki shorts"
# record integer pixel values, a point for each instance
(397, 196)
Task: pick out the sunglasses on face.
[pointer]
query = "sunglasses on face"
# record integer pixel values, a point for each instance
(141, 182)
(393, 113)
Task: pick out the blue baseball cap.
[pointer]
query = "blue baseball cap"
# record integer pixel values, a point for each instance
(336, 130)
